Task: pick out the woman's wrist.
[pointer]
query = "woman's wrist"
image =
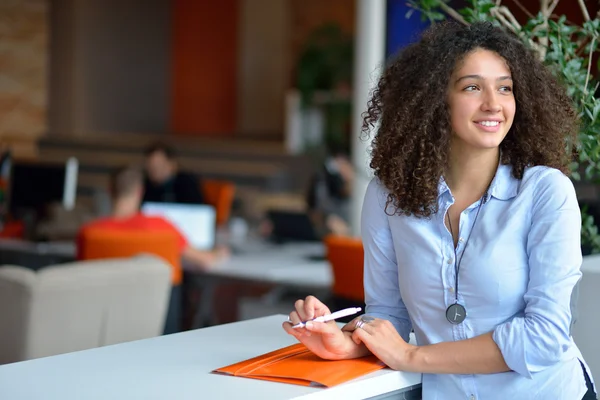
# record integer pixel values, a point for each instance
(356, 350)
(411, 359)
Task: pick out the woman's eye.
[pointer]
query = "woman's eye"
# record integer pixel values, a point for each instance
(470, 88)
(506, 89)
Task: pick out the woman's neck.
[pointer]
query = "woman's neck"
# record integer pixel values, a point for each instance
(469, 175)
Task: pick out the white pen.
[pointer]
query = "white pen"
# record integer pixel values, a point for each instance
(324, 318)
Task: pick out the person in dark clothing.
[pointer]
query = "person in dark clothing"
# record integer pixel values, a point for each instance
(164, 183)
(328, 197)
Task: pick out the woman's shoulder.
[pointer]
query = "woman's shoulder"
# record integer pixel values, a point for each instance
(377, 188)
(547, 183)
(376, 194)
(541, 177)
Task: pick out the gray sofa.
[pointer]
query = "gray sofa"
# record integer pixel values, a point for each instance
(81, 305)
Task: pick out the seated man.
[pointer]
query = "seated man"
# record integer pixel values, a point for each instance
(127, 193)
(164, 182)
(329, 193)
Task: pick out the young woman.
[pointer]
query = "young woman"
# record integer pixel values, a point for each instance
(471, 229)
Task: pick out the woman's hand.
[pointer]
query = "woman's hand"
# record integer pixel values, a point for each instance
(382, 339)
(325, 339)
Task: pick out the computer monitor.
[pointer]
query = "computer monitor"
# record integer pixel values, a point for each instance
(197, 222)
(292, 226)
(34, 185)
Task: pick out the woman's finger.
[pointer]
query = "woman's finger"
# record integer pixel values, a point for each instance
(323, 328)
(358, 336)
(294, 318)
(297, 333)
(300, 309)
(351, 326)
(368, 327)
(313, 307)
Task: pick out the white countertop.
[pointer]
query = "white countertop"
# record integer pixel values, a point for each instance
(178, 367)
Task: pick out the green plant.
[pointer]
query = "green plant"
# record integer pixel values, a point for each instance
(567, 48)
(325, 62)
(324, 76)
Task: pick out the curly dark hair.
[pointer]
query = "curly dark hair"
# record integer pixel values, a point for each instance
(410, 150)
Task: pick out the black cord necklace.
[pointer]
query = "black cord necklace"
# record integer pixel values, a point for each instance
(457, 313)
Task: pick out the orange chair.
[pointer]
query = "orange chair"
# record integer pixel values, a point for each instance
(219, 194)
(346, 256)
(13, 230)
(95, 243)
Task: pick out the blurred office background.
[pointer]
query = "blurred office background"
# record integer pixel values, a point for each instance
(252, 93)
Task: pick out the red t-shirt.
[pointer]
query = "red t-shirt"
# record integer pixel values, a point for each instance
(138, 222)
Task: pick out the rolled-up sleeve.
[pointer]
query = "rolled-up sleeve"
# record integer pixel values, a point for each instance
(382, 291)
(540, 336)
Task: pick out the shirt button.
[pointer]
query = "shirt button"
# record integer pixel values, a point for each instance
(450, 260)
(461, 240)
(451, 290)
(472, 397)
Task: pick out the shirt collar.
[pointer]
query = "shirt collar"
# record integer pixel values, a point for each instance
(504, 186)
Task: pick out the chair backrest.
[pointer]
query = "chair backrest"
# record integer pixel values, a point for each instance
(12, 230)
(219, 194)
(98, 243)
(586, 330)
(81, 305)
(346, 256)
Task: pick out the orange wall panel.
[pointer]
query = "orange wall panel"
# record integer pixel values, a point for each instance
(204, 59)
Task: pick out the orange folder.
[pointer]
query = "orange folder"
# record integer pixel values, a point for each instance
(299, 366)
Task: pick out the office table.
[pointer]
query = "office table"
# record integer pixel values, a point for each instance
(286, 266)
(35, 255)
(292, 264)
(178, 367)
(261, 262)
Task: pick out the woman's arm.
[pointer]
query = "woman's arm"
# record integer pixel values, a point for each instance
(539, 337)
(203, 260)
(480, 355)
(382, 292)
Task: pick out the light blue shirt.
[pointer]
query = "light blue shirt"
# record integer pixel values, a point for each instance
(516, 277)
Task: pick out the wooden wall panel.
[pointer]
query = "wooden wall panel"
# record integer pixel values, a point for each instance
(23, 73)
(204, 60)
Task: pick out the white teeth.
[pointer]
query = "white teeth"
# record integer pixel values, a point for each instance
(489, 123)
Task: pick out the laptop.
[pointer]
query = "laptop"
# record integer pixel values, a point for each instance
(197, 222)
(292, 226)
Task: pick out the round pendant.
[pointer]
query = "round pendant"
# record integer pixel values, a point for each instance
(456, 314)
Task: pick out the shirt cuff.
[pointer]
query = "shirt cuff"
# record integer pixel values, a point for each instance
(509, 339)
(403, 328)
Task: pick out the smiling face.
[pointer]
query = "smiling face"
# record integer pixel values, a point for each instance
(481, 102)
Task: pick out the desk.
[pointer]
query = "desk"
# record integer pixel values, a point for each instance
(286, 264)
(178, 367)
(35, 255)
(283, 266)
(261, 262)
